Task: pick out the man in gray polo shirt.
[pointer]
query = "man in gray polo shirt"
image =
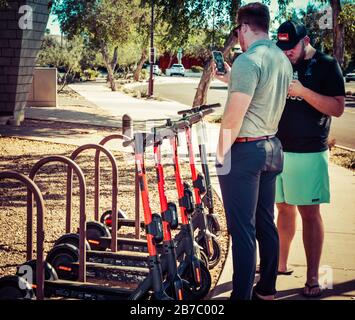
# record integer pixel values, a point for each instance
(249, 156)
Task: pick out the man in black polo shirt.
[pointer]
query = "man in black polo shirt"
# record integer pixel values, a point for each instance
(315, 95)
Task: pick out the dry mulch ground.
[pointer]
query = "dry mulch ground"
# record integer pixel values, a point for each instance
(342, 157)
(21, 155)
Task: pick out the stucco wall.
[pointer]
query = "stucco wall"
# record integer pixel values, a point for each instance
(22, 26)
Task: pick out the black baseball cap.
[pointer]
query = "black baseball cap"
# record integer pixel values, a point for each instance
(289, 34)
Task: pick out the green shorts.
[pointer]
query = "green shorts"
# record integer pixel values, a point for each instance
(304, 179)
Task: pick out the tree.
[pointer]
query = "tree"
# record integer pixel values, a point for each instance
(185, 18)
(338, 31)
(105, 23)
(67, 57)
(141, 36)
(346, 17)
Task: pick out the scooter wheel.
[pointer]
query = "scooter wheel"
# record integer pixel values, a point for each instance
(106, 218)
(61, 258)
(213, 225)
(31, 266)
(14, 288)
(71, 238)
(203, 258)
(193, 291)
(214, 258)
(94, 231)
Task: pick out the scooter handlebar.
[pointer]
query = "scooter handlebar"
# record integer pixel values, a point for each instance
(200, 108)
(198, 116)
(161, 133)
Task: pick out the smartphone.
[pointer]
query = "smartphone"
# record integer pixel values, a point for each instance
(218, 58)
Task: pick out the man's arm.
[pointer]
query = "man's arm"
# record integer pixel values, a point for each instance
(232, 121)
(331, 106)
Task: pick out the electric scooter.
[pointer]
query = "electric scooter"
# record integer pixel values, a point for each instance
(207, 199)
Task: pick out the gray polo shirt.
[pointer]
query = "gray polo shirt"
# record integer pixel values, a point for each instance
(264, 73)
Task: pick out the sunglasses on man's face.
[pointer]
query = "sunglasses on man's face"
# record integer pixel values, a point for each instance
(237, 28)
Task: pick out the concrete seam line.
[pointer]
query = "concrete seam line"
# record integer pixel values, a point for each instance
(344, 148)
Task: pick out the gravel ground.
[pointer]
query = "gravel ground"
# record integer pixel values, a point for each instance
(344, 158)
(21, 154)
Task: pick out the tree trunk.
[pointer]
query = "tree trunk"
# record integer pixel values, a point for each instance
(107, 61)
(171, 57)
(338, 32)
(64, 81)
(140, 65)
(114, 59)
(201, 93)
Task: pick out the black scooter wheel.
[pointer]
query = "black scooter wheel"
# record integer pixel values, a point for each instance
(61, 258)
(49, 274)
(14, 288)
(193, 291)
(71, 238)
(213, 225)
(106, 218)
(203, 258)
(214, 258)
(94, 231)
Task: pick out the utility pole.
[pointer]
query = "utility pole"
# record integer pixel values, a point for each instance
(213, 28)
(152, 54)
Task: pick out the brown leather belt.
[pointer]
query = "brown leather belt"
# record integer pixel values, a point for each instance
(251, 139)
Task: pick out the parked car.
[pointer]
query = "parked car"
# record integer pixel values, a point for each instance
(350, 76)
(156, 69)
(176, 69)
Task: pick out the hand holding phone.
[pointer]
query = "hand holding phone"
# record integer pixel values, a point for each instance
(218, 58)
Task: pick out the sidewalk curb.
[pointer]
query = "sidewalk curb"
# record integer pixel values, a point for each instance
(345, 148)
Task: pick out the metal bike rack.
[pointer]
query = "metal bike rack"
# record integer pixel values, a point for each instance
(35, 193)
(98, 148)
(97, 183)
(82, 194)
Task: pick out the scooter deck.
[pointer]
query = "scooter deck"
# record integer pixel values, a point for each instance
(85, 291)
(114, 273)
(125, 244)
(123, 258)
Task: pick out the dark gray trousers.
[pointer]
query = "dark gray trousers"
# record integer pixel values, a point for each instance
(248, 192)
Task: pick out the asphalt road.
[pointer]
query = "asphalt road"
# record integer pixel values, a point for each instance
(342, 129)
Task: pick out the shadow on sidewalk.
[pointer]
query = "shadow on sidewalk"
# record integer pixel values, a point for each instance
(339, 290)
(221, 291)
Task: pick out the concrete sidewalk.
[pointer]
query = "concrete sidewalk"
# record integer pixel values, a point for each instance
(106, 108)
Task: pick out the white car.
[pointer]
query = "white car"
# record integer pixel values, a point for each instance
(156, 69)
(176, 69)
(350, 76)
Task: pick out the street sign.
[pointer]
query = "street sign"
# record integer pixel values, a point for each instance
(179, 55)
(152, 57)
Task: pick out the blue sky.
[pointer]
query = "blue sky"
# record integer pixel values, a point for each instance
(54, 27)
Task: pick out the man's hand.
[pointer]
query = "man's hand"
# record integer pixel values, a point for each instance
(224, 78)
(296, 89)
(331, 106)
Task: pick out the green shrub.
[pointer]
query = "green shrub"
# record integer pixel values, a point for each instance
(144, 74)
(91, 74)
